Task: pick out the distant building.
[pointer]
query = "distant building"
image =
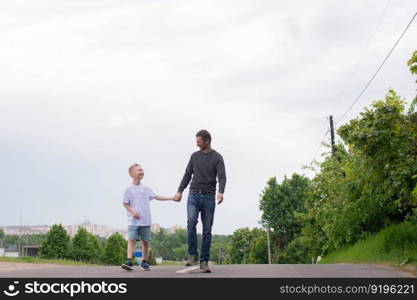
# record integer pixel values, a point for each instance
(155, 228)
(17, 230)
(100, 230)
(31, 250)
(11, 254)
(174, 228)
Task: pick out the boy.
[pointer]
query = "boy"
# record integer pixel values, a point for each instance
(136, 201)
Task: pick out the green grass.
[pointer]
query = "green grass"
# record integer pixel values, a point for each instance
(394, 245)
(37, 260)
(171, 263)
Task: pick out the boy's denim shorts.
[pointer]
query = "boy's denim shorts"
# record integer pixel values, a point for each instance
(139, 233)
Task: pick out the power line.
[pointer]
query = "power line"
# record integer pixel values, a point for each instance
(342, 92)
(377, 71)
(374, 75)
(371, 37)
(321, 144)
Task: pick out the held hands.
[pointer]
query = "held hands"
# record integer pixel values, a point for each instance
(177, 197)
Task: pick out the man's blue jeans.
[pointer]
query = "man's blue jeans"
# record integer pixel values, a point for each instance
(196, 203)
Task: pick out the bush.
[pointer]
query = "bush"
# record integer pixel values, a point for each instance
(258, 253)
(401, 236)
(57, 243)
(116, 250)
(151, 258)
(85, 247)
(294, 253)
(396, 243)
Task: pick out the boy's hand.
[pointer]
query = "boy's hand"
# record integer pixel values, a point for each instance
(136, 214)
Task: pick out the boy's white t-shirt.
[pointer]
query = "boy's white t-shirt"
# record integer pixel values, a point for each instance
(138, 197)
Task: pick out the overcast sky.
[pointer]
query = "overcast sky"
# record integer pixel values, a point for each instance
(89, 87)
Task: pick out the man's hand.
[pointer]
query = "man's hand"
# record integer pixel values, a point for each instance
(178, 197)
(135, 214)
(219, 198)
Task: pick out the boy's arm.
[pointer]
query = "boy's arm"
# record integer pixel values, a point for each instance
(162, 198)
(134, 213)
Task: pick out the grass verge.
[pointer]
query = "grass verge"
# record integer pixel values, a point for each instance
(396, 246)
(36, 260)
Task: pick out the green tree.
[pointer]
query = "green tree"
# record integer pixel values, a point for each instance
(242, 240)
(281, 204)
(180, 253)
(294, 253)
(116, 250)
(2, 234)
(258, 253)
(170, 246)
(102, 241)
(370, 183)
(151, 258)
(86, 247)
(11, 240)
(161, 245)
(57, 243)
(412, 63)
(33, 239)
(382, 141)
(324, 222)
(220, 252)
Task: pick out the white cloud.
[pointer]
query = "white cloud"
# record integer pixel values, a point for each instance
(88, 87)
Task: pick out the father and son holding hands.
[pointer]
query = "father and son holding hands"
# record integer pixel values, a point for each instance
(202, 170)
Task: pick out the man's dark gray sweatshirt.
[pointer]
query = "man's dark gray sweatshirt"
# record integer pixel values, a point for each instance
(204, 168)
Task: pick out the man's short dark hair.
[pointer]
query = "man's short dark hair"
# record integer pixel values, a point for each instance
(205, 135)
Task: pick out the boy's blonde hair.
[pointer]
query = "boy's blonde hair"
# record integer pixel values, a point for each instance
(132, 166)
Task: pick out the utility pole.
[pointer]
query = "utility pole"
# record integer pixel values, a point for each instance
(332, 135)
(20, 235)
(333, 143)
(244, 254)
(269, 243)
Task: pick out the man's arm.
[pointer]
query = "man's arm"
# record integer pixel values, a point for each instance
(134, 213)
(221, 175)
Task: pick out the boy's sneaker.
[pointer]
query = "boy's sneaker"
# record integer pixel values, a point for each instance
(204, 267)
(145, 266)
(192, 261)
(128, 265)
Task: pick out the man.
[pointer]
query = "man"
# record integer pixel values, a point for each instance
(204, 166)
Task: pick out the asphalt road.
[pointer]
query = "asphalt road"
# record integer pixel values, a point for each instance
(18, 270)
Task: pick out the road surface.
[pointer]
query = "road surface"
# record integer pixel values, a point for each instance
(19, 270)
